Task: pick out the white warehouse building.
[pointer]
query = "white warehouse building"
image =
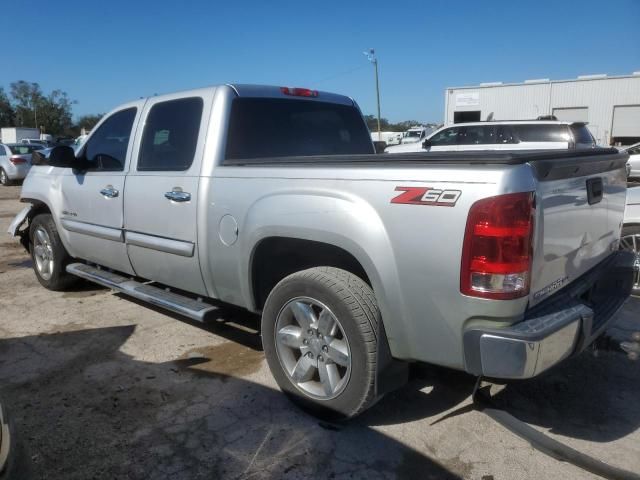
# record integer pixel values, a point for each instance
(610, 105)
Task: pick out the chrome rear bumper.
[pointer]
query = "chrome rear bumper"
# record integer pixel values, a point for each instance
(562, 325)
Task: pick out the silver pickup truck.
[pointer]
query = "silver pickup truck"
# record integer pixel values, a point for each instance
(272, 198)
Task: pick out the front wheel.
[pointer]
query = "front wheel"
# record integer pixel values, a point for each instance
(48, 254)
(630, 240)
(319, 336)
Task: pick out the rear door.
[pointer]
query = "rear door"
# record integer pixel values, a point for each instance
(162, 191)
(92, 201)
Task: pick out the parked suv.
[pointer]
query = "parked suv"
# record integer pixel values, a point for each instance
(505, 135)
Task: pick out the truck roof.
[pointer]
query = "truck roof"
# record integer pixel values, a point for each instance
(270, 91)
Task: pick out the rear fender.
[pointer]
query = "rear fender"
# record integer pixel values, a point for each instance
(341, 220)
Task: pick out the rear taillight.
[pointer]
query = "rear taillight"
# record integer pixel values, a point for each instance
(17, 160)
(299, 92)
(498, 247)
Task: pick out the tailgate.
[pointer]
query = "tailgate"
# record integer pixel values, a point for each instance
(580, 207)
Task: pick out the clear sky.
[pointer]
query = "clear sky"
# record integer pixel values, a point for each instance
(107, 52)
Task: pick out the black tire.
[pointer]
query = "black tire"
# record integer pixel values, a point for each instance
(627, 231)
(353, 303)
(4, 178)
(59, 279)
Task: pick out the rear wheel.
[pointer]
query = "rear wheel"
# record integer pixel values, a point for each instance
(319, 336)
(4, 178)
(630, 240)
(48, 254)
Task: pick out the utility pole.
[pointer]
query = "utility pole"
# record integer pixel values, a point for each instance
(371, 56)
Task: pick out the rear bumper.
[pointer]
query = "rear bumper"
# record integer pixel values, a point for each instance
(562, 325)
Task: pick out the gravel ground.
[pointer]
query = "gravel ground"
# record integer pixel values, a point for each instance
(100, 386)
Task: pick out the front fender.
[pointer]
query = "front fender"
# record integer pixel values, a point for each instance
(342, 220)
(19, 220)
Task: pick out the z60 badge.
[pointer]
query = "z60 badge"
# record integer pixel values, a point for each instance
(426, 196)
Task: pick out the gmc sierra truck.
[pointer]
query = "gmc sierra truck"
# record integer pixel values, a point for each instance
(501, 264)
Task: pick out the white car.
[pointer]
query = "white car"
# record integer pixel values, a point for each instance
(630, 238)
(634, 159)
(505, 135)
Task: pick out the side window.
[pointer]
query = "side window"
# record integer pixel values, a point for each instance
(170, 135)
(581, 134)
(542, 133)
(503, 134)
(476, 135)
(106, 150)
(445, 137)
(2, 150)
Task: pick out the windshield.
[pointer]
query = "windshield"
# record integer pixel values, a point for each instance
(271, 127)
(414, 133)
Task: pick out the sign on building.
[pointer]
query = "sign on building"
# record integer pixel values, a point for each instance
(467, 99)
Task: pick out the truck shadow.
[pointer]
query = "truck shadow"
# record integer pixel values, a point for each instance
(82, 408)
(585, 397)
(590, 398)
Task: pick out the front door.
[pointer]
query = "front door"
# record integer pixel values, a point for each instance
(92, 201)
(162, 192)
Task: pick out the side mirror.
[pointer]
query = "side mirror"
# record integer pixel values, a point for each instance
(61, 156)
(426, 144)
(380, 146)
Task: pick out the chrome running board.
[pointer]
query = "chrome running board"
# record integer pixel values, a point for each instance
(194, 309)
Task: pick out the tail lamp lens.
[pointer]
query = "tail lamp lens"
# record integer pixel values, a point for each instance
(17, 160)
(498, 247)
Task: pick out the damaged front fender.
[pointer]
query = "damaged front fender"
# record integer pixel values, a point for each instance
(19, 220)
(17, 223)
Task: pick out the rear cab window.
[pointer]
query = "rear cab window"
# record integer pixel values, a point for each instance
(272, 127)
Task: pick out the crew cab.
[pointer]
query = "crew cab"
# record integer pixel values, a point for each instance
(272, 198)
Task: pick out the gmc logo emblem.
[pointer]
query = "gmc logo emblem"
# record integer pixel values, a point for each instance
(426, 196)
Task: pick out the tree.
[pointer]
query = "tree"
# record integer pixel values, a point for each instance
(387, 126)
(372, 123)
(88, 121)
(35, 109)
(54, 113)
(26, 99)
(7, 113)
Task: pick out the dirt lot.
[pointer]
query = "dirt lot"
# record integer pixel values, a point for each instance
(99, 386)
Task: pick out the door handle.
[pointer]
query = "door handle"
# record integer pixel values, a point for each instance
(109, 192)
(178, 196)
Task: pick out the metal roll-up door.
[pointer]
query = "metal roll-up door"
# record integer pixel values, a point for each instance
(626, 121)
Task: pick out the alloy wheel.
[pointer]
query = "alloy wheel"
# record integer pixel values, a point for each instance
(313, 348)
(43, 253)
